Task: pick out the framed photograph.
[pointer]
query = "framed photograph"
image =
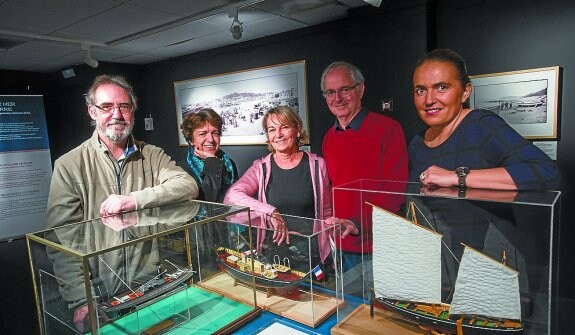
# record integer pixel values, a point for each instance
(527, 99)
(242, 98)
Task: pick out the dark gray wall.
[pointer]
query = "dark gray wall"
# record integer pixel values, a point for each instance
(384, 46)
(500, 36)
(495, 36)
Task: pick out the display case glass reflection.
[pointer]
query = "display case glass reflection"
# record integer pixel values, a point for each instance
(296, 280)
(138, 272)
(484, 259)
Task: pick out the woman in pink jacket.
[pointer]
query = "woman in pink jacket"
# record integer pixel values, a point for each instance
(287, 181)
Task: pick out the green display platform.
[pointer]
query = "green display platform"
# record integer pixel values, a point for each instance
(195, 310)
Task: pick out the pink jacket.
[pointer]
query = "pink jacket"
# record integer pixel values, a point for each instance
(250, 189)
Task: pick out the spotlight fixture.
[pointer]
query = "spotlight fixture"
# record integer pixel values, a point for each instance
(68, 73)
(88, 59)
(236, 29)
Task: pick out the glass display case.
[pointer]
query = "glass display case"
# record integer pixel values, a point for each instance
(447, 260)
(293, 269)
(141, 272)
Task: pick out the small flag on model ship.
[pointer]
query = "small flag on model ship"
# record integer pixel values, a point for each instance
(318, 273)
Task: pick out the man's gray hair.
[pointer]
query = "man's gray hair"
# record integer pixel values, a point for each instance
(353, 71)
(111, 79)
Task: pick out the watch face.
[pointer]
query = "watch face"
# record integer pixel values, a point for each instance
(462, 171)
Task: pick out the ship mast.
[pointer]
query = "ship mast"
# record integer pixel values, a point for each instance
(115, 274)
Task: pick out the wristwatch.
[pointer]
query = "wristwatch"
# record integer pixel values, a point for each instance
(462, 173)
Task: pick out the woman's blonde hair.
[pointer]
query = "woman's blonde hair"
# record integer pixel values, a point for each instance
(287, 116)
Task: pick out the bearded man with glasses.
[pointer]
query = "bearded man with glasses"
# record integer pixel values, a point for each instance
(360, 145)
(119, 173)
(110, 173)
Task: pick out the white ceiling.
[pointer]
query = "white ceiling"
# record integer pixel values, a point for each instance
(53, 34)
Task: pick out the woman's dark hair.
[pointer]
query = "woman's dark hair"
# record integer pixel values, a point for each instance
(448, 56)
(194, 120)
(453, 58)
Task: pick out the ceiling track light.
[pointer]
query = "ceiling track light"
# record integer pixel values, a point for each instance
(91, 62)
(375, 3)
(236, 28)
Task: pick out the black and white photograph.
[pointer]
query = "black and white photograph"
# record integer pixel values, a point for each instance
(526, 100)
(242, 99)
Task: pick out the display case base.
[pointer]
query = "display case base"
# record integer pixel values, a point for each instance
(209, 314)
(383, 322)
(307, 309)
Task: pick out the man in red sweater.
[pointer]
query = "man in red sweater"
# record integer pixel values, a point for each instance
(361, 145)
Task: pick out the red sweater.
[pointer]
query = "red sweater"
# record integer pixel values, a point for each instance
(377, 151)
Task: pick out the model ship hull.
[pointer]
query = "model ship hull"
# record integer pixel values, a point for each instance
(448, 323)
(148, 290)
(283, 280)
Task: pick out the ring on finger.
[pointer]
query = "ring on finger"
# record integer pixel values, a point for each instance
(422, 176)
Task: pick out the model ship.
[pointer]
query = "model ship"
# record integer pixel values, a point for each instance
(486, 294)
(163, 282)
(276, 275)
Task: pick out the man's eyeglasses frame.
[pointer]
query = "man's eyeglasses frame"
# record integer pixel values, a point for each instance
(344, 91)
(125, 109)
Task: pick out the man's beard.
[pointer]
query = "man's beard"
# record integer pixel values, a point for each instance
(112, 135)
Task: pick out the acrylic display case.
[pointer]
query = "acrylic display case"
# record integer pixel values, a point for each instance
(482, 261)
(141, 272)
(294, 280)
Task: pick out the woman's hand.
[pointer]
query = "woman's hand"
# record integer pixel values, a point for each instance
(202, 154)
(438, 177)
(280, 228)
(346, 227)
(472, 193)
(492, 178)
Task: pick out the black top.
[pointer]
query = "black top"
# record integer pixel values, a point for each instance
(212, 188)
(291, 190)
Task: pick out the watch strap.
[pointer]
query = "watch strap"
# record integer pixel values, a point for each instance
(461, 180)
(462, 173)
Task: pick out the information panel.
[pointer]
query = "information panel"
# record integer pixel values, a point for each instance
(25, 165)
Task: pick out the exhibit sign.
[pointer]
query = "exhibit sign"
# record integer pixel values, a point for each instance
(25, 165)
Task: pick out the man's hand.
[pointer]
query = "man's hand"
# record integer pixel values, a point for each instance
(81, 318)
(346, 227)
(117, 204)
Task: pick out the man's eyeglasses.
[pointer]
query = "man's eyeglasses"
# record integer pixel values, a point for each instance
(109, 108)
(343, 92)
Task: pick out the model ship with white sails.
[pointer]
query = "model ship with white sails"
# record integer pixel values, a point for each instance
(407, 280)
